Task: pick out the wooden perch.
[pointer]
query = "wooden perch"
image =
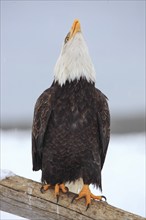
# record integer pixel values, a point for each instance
(22, 197)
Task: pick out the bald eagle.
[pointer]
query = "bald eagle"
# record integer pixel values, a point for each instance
(71, 125)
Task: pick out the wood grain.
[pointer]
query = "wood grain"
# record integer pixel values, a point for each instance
(22, 197)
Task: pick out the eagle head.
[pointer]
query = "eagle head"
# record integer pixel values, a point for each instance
(74, 61)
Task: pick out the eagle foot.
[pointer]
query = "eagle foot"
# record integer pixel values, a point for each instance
(57, 187)
(85, 192)
(61, 187)
(44, 188)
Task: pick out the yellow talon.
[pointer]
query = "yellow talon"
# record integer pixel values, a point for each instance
(57, 190)
(85, 192)
(44, 188)
(59, 187)
(63, 188)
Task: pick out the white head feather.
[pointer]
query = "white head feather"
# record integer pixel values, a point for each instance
(74, 61)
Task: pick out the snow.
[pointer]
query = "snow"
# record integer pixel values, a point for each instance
(5, 173)
(8, 216)
(123, 176)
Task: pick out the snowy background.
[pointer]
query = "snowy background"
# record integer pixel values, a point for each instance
(32, 33)
(123, 174)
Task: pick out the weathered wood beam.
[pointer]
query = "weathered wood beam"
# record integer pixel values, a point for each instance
(21, 196)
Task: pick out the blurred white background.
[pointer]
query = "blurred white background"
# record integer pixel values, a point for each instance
(32, 33)
(123, 175)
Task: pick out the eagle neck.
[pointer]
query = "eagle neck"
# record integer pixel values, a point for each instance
(74, 62)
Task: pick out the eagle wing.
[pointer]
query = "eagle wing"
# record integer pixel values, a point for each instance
(42, 112)
(103, 118)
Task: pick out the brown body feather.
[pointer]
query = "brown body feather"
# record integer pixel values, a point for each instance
(70, 133)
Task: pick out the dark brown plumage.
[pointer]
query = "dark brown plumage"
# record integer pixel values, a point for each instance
(71, 125)
(70, 133)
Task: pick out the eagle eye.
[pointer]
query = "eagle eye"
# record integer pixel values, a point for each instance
(67, 38)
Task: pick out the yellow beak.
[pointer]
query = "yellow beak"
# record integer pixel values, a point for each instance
(76, 27)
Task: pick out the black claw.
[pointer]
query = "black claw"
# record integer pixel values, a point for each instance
(57, 196)
(87, 207)
(74, 198)
(67, 193)
(103, 197)
(67, 189)
(42, 189)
